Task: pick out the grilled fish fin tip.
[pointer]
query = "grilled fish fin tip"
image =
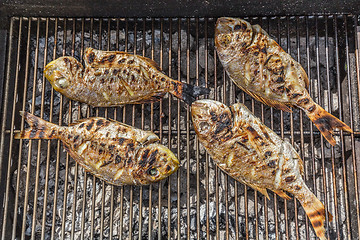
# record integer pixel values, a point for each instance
(326, 123)
(259, 189)
(315, 210)
(282, 194)
(186, 92)
(39, 128)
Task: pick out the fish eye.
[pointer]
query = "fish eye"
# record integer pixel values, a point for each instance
(204, 126)
(237, 27)
(153, 172)
(62, 82)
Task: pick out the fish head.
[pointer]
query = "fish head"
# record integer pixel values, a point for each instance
(62, 72)
(156, 162)
(211, 119)
(231, 35)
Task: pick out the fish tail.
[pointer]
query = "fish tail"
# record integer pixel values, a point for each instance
(326, 122)
(39, 128)
(315, 210)
(186, 92)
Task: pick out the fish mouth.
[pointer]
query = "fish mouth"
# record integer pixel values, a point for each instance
(49, 70)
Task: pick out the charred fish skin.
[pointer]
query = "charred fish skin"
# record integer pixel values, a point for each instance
(114, 152)
(261, 68)
(115, 78)
(244, 148)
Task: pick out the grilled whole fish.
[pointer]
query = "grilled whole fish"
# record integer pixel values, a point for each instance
(261, 68)
(115, 78)
(114, 152)
(247, 150)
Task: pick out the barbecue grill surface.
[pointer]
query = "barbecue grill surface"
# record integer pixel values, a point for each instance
(46, 195)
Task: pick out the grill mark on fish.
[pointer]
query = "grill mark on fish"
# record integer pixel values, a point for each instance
(91, 57)
(131, 146)
(272, 163)
(303, 101)
(320, 212)
(99, 122)
(104, 59)
(295, 95)
(312, 108)
(121, 141)
(175, 86)
(280, 80)
(251, 129)
(213, 116)
(152, 157)
(289, 179)
(268, 154)
(117, 159)
(122, 60)
(52, 133)
(243, 145)
(90, 125)
(111, 58)
(267, 60)
(316, 223)
(105, 163)
(130, 61)
(220, 126)
(266, 135)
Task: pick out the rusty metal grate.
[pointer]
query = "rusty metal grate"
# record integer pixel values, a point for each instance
(45, 195)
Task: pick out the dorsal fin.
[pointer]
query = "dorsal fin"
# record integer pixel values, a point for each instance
(151, 62)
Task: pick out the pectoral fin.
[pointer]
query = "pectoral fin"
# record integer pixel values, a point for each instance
(261, 190)
(282, 194)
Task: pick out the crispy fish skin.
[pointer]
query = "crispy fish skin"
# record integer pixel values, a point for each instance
(261, 68)
(114, 152)
(247, 150)
(115, 78)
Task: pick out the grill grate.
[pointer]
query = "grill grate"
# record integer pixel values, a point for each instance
(47, 196)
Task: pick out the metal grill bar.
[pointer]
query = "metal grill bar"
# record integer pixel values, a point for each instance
(48, 196)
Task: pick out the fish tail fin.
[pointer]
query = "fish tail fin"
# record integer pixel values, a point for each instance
(39, 128)
(186, 92)
(326, 123)
(315, 210)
